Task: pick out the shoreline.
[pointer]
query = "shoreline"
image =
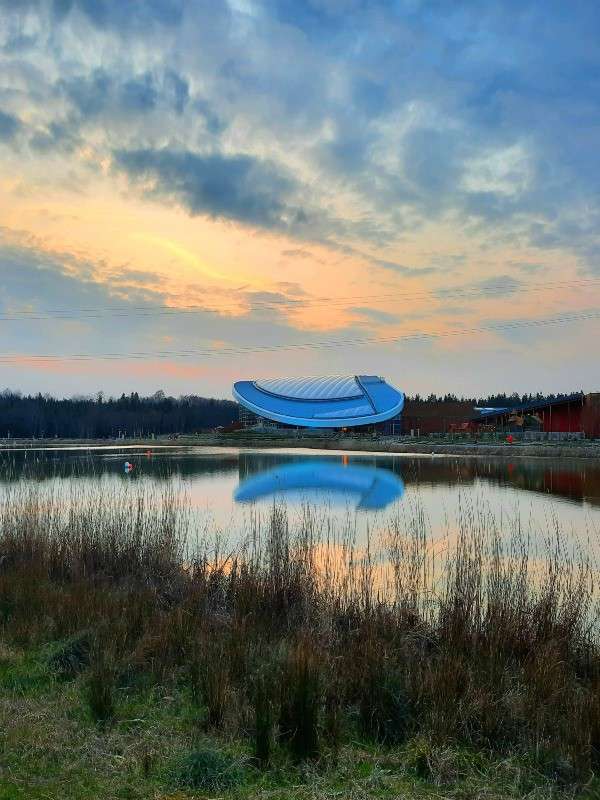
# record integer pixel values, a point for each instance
(574, 449)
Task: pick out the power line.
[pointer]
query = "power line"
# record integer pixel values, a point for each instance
(16, 358)
(289, 304)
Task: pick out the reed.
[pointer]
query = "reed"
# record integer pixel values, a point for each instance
(304, 637)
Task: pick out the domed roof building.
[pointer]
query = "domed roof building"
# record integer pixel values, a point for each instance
(337, 401)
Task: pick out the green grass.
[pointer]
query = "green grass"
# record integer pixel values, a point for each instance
(52, 748)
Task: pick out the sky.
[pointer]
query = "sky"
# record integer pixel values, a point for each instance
(194, 192)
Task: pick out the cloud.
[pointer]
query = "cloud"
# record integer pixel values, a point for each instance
(376, 314)
(440, 114)
(57, 135)
(237, 187)
(402, 269)
(101, 92)
(179, 88)
(9, 126)
(529, 267)
(33, 279)
(113, 14)
(296, 252)
(500, 285)
(115, 309)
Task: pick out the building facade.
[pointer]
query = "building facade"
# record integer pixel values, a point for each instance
(567, 415)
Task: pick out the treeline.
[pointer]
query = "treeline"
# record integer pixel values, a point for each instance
(493, 400)
(43, 416)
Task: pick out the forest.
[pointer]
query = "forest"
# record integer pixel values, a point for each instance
(44, 416)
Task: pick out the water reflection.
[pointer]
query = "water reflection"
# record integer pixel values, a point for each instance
(369, 487)
(577, 481)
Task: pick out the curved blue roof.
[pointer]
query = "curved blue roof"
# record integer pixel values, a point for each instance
(337, 401)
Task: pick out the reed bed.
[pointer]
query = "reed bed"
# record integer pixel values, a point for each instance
(301, 639)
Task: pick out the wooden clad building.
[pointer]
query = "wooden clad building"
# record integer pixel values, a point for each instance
(422, 417)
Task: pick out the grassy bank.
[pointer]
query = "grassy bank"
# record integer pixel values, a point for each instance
(299, 665)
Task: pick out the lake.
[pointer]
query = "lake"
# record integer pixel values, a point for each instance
(226, 490)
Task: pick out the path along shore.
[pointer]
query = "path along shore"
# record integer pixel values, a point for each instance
(423, 446)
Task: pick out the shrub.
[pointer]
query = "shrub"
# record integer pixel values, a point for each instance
(99, 692)
(384, 709)
(301, 704)
(72, 656)
(215, 687)
(263, 722)
(206, 769)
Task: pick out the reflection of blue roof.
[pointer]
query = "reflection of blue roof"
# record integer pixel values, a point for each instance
(332, 402)
(376, 488)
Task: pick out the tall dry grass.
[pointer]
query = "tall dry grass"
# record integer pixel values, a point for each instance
(300, 638)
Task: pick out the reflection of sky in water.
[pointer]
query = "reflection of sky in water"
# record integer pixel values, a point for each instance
(544, 494)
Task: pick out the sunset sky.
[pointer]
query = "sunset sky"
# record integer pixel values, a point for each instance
(194, 192)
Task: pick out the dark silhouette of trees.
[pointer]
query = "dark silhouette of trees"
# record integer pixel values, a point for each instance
(502, 400)
(44, 416)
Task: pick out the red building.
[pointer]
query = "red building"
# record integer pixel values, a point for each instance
(590, 416)
(423, 417)
(575, 413)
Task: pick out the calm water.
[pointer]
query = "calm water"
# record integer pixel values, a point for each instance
(225, 487)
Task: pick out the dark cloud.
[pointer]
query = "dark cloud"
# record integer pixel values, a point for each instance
(113, 99)
(139, 94)
(115, 14)
(58, 135)
(109, 15)
(315, 17)
(432, 161)
(9, 126)
(89, 94)
(92, 95)
(179, 88)
(232, 187)
(214, 124)
(19, 43)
